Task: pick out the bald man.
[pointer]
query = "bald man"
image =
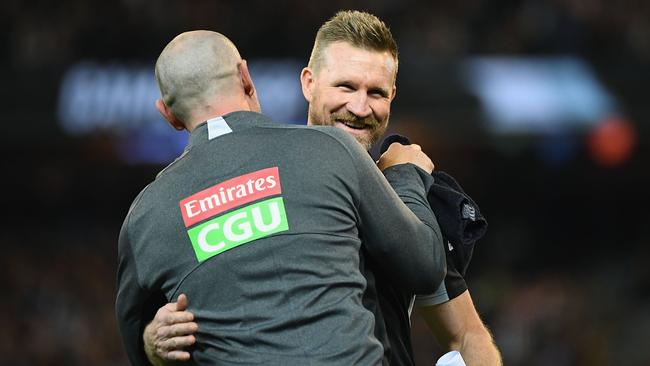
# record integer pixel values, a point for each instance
(261, 231)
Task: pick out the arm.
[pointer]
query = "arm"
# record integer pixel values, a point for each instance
(390, 214)
(457, 326)
(132, 301)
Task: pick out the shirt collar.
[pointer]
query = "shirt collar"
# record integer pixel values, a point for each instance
(220, 126)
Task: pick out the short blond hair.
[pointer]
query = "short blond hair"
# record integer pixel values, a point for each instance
(359, 29)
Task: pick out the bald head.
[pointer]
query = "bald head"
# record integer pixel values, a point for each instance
(194, 70)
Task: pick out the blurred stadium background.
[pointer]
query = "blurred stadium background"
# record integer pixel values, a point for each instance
(536, 107)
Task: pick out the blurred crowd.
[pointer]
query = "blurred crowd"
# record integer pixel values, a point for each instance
(561, 278)
(42, 33)
(59, 307)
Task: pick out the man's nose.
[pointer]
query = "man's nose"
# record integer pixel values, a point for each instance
(358, 105)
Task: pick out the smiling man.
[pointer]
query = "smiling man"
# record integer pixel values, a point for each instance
(350, 84)
(350, 88)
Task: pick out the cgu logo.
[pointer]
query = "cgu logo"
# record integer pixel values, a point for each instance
(238, 227)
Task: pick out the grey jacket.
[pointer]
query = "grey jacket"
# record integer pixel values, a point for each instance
(260, 224)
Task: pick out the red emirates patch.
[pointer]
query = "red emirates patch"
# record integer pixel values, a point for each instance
(230, 194)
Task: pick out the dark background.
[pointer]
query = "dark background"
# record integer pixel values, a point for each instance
(561, 278)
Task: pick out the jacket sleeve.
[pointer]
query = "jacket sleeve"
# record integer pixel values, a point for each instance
(130, 303)
(398, 227)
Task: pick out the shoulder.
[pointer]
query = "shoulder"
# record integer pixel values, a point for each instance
(124, 237)
(136, 204)
(335, 133)
(320, 137)
(332, 135)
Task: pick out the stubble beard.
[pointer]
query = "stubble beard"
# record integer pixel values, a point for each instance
(377, 129)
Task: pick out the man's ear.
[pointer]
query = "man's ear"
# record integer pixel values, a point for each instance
(393, 93)
(249, 88)
(246, 80)
(307, 83)
(167, 114)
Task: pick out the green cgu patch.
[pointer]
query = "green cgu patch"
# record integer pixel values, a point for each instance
(238, 227)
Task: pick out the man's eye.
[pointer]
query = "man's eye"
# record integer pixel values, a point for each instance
(345, 86)
(378, 93)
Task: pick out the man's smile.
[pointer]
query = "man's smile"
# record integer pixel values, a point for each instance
(353, 125)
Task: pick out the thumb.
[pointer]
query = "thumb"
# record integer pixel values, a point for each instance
(181, 302)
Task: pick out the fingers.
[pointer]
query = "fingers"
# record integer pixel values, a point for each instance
(171, 331)
(411, 146)
(401, 154)
(181, 329)
(175, 344)
(168, 319)
(169, 343)
(172, 348)
(165, 316)
(177, 356)
(181, 302)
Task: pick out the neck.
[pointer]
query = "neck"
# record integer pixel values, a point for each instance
(221, 108)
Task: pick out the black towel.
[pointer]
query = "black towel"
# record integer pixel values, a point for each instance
(459, 217)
